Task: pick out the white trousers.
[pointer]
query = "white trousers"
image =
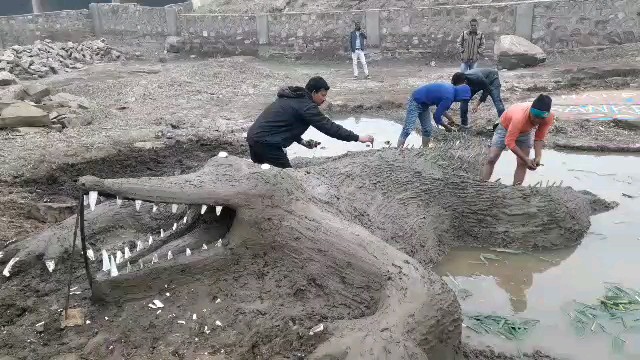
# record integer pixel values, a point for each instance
(359, 54)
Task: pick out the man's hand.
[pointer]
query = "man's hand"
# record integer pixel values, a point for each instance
(310, 144)
(474, 108)
(447, 128)
(531, 164)
(366, 139)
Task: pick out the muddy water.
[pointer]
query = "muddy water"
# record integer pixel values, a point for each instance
(538, 285)
(382, 130)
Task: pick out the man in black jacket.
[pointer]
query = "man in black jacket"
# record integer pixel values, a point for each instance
(486, 81)
(287, 118)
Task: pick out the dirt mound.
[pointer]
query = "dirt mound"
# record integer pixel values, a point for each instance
(346, 242)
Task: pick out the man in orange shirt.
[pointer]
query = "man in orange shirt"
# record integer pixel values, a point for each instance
(515, 132)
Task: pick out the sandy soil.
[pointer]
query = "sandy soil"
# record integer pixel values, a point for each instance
(195, 108)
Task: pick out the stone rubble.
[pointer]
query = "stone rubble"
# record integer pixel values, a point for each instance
(45, 58)
(22, 114)
(7, 78)
(37, 105)
(173, 44)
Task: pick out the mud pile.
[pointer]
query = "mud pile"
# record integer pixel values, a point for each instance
(346, 242)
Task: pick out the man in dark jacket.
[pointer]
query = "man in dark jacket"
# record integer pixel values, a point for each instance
(356, 41)
(486, 81)
(287, 118)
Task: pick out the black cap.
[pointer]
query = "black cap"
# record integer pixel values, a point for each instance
(542, 103)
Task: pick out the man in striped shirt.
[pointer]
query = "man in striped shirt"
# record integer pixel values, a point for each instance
(471, 46)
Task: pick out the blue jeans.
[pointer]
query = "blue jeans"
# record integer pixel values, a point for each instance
(494, 92)
(466, 66)
(417, 112)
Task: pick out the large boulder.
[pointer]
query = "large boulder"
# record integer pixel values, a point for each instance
(22, 114)
(514, 52)
(174, 44)
(7, 78)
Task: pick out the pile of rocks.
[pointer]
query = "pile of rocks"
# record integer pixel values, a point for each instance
(35, 106)
(46, 57)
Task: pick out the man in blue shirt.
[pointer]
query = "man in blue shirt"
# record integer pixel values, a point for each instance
(442, 96)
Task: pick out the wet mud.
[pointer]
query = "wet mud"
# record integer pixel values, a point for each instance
(541, 284)
(347, 242)
(172, 158)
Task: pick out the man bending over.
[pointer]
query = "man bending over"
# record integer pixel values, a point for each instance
(288, 117)
(515, 132)
(486, 81)
(441, 96)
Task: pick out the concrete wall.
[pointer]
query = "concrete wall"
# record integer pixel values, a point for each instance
(579, 23)
(219, 34)
(72, 25)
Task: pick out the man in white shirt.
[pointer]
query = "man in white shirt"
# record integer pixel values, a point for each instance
(357, 40)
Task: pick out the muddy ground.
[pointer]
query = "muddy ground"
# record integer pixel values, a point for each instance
(189, 109)
(362, 267)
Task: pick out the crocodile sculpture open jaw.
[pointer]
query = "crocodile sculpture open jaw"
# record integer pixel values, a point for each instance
(365, 228)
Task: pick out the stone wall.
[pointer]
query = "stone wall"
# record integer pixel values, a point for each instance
(131, 22)
(219, 34)
(433, 32)
(318, 35)
(429, 32)
(579, 23)
(72, 25)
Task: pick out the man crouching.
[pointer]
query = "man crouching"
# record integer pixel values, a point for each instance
(287, 118)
